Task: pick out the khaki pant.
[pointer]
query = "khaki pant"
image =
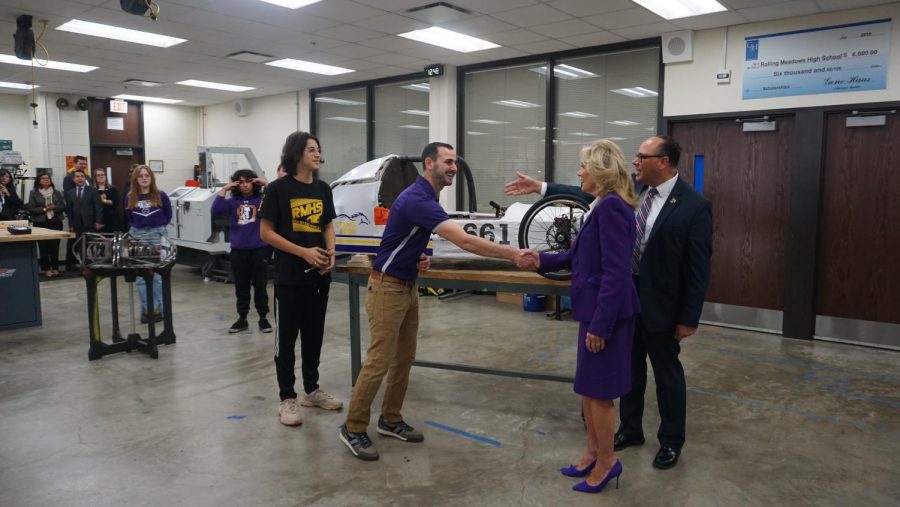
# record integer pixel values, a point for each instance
(393, 310)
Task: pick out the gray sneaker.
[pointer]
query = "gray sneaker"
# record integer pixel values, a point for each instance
(359, 444)
(399, 430)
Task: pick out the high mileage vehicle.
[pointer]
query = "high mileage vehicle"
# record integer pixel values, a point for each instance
(363, 197)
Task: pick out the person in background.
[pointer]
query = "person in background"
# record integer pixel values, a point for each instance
(10, 202)
(47, 205)
(69, 184)
(109, 197)
(80, 164)
(297, 212)
(149, 211)
(83, 209)
(605, 304)
(249, 253)
(126, 190)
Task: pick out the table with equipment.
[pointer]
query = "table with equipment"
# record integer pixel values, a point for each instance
(20, 295)
(461, 279)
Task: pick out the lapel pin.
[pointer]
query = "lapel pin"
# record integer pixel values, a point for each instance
(673, 200)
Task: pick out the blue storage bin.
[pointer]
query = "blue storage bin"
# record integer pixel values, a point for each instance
(565, 303)
(534, 302)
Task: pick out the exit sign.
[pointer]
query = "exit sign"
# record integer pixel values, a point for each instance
(118, 106)
(434, 70)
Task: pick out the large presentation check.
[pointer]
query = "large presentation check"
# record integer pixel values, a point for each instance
(830, 59)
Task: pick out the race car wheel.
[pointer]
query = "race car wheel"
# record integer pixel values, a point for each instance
(550, 225)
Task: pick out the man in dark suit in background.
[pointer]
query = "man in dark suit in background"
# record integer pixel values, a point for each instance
(671, 267)
(84, 209)
(69, 184)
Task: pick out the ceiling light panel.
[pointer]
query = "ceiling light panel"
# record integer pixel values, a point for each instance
(564, 71)
(637, 91)
(674, 9)
(518, 104)
(418, 87)
(142, 82)
(449, 39)
(17, 86)
(340, 102)
(52, 64)
(119, 33)
(304, 66)
(215, 86)
(158, 100)
(291, 4)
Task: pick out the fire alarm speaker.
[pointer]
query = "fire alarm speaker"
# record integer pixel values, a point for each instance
(241, 107)
(678, 46)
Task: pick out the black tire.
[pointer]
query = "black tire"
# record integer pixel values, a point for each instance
(550, 225)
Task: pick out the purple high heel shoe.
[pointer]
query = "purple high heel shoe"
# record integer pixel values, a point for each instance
(614, 472)
(573, 471)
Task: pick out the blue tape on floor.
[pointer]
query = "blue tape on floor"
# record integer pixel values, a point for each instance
(486, 440)
(236, 417)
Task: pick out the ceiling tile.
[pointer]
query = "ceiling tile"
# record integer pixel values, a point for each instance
(354, 51)
(589, 7)
(781, 10)
(546, 46)
(479, 26)
(513, 37)
(393, 5)
(342, 10)
(624, 19)
(714, 20)
(501, 53)
(743, 4)
(350, 33)
(564, 28)
(392, 24)
(643, 31)
(392, 59)
(485, 7)
(531, 16)
(598, 38)
(391, 43)
(839, 5)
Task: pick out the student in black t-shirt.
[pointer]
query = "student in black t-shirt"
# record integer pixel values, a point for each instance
(296, 219)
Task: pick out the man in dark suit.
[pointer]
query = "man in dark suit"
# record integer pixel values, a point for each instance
(84, 209)
(671, 272)
(69, 184)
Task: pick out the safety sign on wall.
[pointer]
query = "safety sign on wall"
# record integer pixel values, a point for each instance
(831, 59)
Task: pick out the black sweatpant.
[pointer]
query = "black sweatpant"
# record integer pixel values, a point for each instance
(299, 308)
(249, 268)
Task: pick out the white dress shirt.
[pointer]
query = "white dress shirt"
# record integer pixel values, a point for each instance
(664, 189)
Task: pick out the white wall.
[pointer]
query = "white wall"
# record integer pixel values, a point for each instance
(58, 133)
(690, 87)
(270, 121)
(171, 134)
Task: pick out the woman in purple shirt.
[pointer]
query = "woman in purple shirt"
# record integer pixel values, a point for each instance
(149, 212)
(248, 252)
(605, 303)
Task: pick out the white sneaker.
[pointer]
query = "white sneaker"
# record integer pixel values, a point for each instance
(289, 413)
(321, 399)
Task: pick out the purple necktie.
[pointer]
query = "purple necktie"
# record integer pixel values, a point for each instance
(641, 225)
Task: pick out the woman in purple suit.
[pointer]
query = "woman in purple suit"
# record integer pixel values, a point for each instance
(605, 304)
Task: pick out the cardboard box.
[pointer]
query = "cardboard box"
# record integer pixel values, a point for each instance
(510, 297)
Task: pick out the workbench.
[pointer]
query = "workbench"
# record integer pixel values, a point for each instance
(20, 294)
(460, 279)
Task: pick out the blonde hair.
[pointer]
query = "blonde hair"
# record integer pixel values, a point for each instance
(135, 192)
(605, 164)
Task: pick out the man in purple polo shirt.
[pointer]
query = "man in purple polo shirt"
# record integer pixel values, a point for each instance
(393, 299)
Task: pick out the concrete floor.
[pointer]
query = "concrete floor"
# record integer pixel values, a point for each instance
(770, 421)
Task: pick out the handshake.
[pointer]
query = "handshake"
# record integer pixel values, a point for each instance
(527, 260)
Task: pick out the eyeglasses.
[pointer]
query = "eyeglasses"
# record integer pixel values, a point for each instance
(642, 157)
(313, 149)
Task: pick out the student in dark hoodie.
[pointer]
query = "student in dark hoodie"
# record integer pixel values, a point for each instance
(248, 252)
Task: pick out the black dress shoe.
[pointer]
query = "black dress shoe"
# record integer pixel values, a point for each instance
(666, 458)
(621, 441)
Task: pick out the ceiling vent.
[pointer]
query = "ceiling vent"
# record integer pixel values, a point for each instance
(251, 56)
(438, 12)
(142, 82)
